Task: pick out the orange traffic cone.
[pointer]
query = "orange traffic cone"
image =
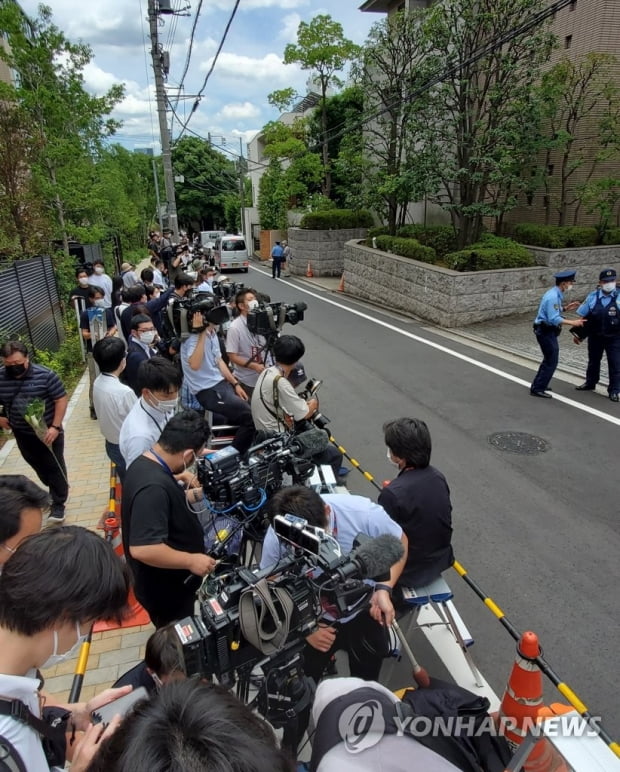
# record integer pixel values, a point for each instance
(341, 285)
(521, 703)
(309, 272)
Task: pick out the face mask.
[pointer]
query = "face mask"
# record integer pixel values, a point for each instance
(390, 459)
(147, 337)
(14, 371)
(55, 658)
(609, 286)
(99, 303)
(252, 304)
(99, 269)
(165, 405)
(83, 281)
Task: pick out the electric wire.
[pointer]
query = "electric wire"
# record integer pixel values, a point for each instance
(213, 63)
(147, 71)
(189, 52)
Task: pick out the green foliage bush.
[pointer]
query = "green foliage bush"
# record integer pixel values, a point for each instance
(378, 230)
(486, 257)
(442, 238)
(612, 236)
(67, 361)
(556, 236)
(406, 248)
(335, 219)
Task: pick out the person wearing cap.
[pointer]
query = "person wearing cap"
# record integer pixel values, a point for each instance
(547, 327)
(128, 275)
(602, 316)
(277, 257)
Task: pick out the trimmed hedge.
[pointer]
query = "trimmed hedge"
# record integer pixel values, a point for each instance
(612, 236)
(335, 219)
(406, 248)
(484, 256)
(556, 236)
(378, 230)
(442, 238)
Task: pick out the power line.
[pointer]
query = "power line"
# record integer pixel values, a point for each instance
(189, 51)
(213, 63)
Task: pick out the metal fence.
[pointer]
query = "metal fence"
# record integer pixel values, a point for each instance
(29, 303)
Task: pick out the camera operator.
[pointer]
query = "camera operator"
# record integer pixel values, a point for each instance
(246, 350)
(212, 383)
(419, 500)
(195, 727)
(163, 662)
(52, 589)
(362, 635)
(162, 536)
(183, 285)
(276, 405)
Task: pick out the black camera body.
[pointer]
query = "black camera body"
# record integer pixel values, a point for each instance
(226, 291)
(318, 419)
(267, 320)
(181, 311)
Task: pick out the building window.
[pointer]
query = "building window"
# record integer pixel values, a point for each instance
(568, 41)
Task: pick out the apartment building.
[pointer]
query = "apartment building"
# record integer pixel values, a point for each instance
(581, 27)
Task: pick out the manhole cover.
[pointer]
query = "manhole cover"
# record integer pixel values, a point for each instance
(519, 442)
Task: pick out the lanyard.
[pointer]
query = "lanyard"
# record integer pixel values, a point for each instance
(164, 465)
(153, 419)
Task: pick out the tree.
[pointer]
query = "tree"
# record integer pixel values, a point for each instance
(322, 48)
(209, 180)
(70, 124)
(395, 60)
(476, 127)
(581, 110)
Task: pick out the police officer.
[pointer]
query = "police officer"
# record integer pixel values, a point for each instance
(600, 311)
(547, 327)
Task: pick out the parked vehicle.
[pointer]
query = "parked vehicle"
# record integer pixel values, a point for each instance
(230, 252)
(208, 239)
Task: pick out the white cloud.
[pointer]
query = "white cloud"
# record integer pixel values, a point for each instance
(247, 135)
(247, 5)
(268, 69)
(238, 111)
(290, 24)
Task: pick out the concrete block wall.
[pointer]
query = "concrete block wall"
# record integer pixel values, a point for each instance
(454, 299)
(323, 249)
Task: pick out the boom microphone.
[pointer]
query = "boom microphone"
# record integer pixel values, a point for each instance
(373, 558)
(309, 443)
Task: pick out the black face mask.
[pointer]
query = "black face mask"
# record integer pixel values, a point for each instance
(14, 371)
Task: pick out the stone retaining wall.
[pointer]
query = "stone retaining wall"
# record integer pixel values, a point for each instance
(323, 249)
(454, 299)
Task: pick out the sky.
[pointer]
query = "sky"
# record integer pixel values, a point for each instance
(249, 67)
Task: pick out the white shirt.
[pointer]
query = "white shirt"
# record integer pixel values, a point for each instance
(239, 340)
(25, 740)
(112, 400)
(141, 429)
(263, 407)
(105, 282)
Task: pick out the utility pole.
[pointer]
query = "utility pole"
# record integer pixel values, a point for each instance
(166, 157)
(161, 225)
(242, 188)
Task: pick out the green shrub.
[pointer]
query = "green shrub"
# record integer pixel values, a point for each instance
(612, 236)
(335, 219)
(556, 236)
(483, 257)
(66, 362)
(377, 230)
(406, 248)
(442, 238)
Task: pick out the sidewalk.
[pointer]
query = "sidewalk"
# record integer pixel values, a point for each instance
(115, 651)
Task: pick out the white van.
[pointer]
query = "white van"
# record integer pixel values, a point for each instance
(208, 239)
(230, 252)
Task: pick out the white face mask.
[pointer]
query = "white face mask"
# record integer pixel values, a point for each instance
(609, 286)
(569, 288)
(55, 658)
(390, 459)
(147, 337)
(252, 304)
(99, 303)
(83, 281)
(99, 269)
(165, 405)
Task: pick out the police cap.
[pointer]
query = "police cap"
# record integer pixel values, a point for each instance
(607, 275)
(566, 275)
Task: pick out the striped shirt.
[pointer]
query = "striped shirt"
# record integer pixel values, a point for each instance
(18, 393)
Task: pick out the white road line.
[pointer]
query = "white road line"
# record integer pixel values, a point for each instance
(438, 347)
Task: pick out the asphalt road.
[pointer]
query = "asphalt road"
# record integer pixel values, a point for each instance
(539, 532)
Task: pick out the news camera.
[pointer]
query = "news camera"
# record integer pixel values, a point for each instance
(268, 318)
(181, 313)
(225, 291)
(258, 620)
(317, 419)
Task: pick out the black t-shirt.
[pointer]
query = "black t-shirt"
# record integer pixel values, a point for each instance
(155, 512)
(419, 501)
(80, 292)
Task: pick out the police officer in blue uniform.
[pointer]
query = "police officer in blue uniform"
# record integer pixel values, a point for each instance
(547, 327)
(602, 314)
